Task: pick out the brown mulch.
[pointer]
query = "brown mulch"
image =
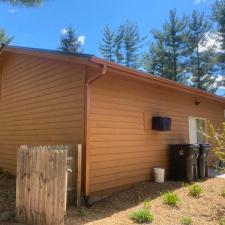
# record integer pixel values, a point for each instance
(115, 210)
(7, 192)
(206, 210)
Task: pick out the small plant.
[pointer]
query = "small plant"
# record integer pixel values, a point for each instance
(141, 216)
(195, 190)
(223, 193)
(170, 198)
(222, 221)
(82, 212)
(147, 203)
(186, 221)
(7, 174)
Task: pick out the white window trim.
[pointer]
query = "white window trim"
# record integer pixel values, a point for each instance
(200, 118)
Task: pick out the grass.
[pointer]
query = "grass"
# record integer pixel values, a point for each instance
(186, 221)
(195, 190)
(170, 198)
(141, 216)
(222, 221)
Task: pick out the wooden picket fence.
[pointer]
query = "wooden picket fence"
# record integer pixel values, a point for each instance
(41, 189)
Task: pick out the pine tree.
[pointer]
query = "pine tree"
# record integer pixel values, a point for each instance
(28, 3)
(200, 63)
(107, 46)
(150, 60)
(70, 41)
(170, 47)
(118, 41)
(132, 43)
(156, 61)
(4, 38)
(123, 45)
(219, 18)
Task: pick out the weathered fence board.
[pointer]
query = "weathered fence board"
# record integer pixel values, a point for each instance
(41, 184)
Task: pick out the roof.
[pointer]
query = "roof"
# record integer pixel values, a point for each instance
(132, 73)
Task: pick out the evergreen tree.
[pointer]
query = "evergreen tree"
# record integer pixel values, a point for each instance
(219, 17)
(123, 45)
(4, 38)
(70, 41)
(200, 63)
(150, 60)
(107, 47)
(132, 43)
(170, 48)
(156, 60)
(118, 41)
(23, 2)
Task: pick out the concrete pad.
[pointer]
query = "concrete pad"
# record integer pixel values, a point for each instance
(216, 173)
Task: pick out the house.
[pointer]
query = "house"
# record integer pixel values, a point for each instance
(50, 97)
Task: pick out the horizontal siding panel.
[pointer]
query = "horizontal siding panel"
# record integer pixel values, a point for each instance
(42, 99)
(122, 150)
(42, 103)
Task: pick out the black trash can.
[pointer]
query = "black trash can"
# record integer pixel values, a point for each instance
(183, 162)
(204, 150)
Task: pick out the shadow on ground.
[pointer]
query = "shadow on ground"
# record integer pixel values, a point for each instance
(121, 201)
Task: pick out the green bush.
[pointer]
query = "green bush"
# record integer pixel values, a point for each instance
(147, 203)
(223, 193)
(222, 221)
(141, 216)
(170, 198)
(195, 190)
(186, 221)
(82, 212)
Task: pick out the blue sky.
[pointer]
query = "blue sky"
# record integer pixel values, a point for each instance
(41, 27)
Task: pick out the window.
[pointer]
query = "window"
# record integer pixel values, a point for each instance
(197, 128)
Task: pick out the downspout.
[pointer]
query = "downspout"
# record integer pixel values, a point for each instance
(87, 114)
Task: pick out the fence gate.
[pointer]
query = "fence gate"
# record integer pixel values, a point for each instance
(41, 184)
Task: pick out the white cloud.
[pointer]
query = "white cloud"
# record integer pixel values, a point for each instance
(12, 10)
(197, 2)
(212, 42)
(81, 39)
(63, 31)
(220, 78)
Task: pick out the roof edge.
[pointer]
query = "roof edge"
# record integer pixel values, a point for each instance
(158, 80)
(5, 47)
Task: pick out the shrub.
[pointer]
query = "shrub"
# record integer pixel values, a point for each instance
(141, 216)
(82, 212)
(170, 198)
(195, 190)
(223, 193)
(222, 221)
(186, 221)
(147, 203)
(217, 137)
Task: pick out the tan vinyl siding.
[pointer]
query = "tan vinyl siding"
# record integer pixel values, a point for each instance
(42, 102)
(123, 149)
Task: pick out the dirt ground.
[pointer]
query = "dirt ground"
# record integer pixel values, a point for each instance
(207, 210)
(115, 210)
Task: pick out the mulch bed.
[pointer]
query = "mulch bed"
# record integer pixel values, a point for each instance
(206, 210)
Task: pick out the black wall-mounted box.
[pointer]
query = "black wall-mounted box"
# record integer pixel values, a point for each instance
(161, 123)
